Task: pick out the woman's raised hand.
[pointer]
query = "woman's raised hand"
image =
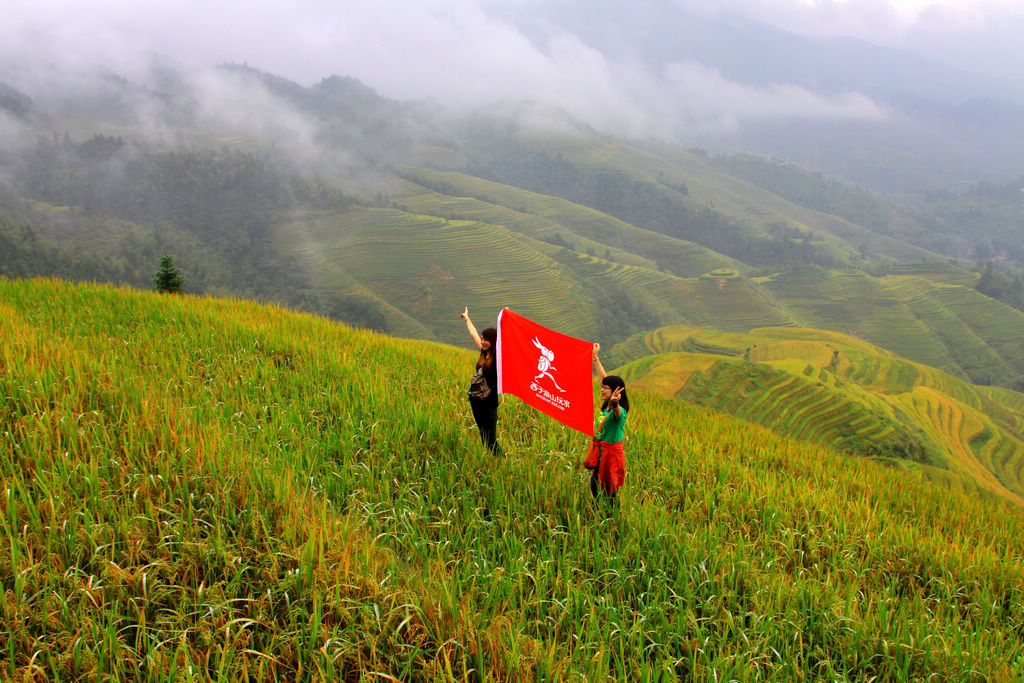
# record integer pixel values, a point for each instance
(465, 314)
(614, 398)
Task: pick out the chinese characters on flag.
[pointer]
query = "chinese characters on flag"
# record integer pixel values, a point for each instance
(548, 370)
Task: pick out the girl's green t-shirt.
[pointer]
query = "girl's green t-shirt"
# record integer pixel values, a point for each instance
(613, 428)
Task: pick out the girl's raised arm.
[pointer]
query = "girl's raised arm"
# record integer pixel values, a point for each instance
(470, 327)
(597, 362)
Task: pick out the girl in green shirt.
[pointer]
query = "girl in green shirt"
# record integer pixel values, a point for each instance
(610, 470)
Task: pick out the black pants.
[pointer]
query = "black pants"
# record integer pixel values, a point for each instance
(595, 490)
(486, 416)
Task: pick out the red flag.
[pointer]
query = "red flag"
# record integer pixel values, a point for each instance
(548, 370)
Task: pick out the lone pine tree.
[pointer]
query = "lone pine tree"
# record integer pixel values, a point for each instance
(168, 279)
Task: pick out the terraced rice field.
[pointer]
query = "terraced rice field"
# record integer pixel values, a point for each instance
(920, 312)
(842, 392)
(940, 272)
(994, 321)
(430, 268)
(964, 428)
(588, 228)
(698, 339)
(974, 354)
(738, 305)
(671, 298)
(788, 403)
(950, 327)
(422, 201)
(423, 269)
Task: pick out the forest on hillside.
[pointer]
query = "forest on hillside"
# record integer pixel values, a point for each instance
(103, 210)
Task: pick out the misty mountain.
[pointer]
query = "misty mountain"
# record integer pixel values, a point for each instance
(660, 34)
(351, 113)
(934, 126)
(14, 102)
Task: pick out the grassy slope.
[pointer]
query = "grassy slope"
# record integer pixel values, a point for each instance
(841, 392)
(200, 488)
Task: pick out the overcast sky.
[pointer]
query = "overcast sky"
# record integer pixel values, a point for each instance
(473, 51)
(976, 35)
(307, 39)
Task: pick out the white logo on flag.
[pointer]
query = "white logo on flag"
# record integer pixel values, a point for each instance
(544, 364)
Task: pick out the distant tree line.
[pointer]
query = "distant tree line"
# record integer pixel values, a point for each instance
(981, 223)
(1005, 287)
(14, 102)
(26, 253)
(812, 190)
(1012, 191)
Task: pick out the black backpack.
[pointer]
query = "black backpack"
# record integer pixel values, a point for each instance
(478, 387)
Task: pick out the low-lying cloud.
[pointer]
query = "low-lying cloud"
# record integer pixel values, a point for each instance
(461, 54)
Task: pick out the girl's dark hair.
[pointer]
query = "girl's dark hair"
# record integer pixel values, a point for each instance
(487, 357)
(614, 382)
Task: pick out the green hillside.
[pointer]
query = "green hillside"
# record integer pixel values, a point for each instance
(733, 196)
(415, 272)
(657, 186)
(980, 223)
(239, 225)
(843, 393)
(208, 489)
(457, 195)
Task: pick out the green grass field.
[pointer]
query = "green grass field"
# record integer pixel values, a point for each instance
(208, 489)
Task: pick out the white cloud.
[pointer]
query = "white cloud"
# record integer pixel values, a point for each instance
(236, 106)
(712, 99)
(12, 132)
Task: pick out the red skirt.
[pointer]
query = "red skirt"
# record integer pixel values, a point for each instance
(611, 471)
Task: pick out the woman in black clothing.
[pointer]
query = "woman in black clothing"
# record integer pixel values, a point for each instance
(483, 390)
